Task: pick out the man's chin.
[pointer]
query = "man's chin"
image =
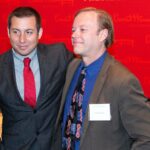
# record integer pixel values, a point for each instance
(78, 51)
(22, 52)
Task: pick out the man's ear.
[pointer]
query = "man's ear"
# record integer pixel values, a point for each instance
(103, 34)
(8, 32)
(40, 33)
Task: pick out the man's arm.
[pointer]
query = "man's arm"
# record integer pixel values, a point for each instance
(135, 114)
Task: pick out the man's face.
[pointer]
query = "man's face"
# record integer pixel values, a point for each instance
(85, 36)
(23, 34)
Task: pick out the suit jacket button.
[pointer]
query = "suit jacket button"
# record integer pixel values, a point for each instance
(34, 111)
(37, 133)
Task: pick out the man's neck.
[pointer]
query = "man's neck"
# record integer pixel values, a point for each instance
(91, 58)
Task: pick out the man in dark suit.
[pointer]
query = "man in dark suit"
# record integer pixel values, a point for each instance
(107, 110)
(29, 110)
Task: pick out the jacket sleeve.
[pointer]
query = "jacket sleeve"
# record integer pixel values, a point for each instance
(135, 113)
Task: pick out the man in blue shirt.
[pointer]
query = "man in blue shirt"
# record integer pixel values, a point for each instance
(29, 107)
(109, 112)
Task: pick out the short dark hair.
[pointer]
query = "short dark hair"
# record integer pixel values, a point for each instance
(104, 22)
(21, 12)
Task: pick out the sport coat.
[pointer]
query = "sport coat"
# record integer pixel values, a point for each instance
(129, 126)
(25, 128)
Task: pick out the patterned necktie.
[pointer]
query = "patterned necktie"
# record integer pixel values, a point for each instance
(29, 84)
(74, 119)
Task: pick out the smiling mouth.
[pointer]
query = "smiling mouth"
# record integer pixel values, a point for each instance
(77, 43)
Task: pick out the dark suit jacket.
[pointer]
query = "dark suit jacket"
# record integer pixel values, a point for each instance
(23, 127)
(129, 127)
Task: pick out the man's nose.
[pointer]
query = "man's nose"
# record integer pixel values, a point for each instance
(22, 37)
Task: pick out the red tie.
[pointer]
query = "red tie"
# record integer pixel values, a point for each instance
(29, 84)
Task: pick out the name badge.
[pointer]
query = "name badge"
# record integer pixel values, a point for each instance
(99, 112)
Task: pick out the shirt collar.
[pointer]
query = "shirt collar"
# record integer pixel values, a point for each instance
(95, 66)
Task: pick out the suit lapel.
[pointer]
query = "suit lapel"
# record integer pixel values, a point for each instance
(43, 76)
(70, 73)
(94, 98)
(10, 75)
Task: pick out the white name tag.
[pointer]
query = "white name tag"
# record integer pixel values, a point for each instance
(99, 112)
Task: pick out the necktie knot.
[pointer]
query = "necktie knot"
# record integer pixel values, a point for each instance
(83, 71)
(27, 61)
(81, 77)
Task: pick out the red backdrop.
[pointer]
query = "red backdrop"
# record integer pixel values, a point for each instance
(131, 20)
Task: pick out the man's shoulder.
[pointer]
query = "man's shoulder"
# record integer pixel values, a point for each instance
(56, 49)
(52, 47)
(6, 55)
(56, 52)
(118, 70)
